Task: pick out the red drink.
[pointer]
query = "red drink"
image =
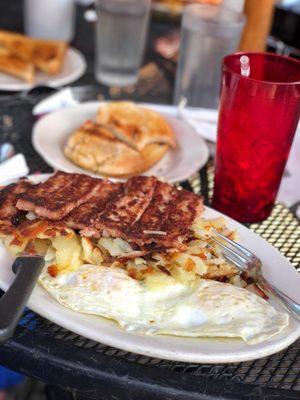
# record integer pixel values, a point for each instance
(258, 118)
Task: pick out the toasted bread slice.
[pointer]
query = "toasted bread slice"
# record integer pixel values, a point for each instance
(49, 55)
(96, 149)
(124, 166)
(135, 125)
(13, 65)
(46, 55)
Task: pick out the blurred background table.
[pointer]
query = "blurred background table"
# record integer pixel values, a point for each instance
(157, 69)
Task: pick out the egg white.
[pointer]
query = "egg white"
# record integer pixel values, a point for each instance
(204, 309)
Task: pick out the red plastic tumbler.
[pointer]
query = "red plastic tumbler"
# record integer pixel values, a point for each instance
(258, 117)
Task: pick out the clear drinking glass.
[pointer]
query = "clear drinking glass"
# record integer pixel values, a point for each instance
(258, 117)
(50, 19)
(208, 33)
(122, 27)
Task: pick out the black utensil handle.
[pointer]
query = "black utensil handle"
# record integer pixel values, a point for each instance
(12, 303)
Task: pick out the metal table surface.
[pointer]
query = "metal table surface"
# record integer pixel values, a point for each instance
(78, 368)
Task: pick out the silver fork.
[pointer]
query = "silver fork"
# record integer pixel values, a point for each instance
(249, 262)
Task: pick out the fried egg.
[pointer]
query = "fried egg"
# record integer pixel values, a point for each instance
(162, 305)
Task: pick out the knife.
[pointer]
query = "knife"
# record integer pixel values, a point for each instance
(27, 269)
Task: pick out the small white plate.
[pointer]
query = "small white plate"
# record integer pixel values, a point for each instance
(73, 68)
(50, 135)
(276, 268)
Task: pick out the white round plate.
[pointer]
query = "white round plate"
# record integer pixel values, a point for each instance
(276, 268)
(50, 135)
(73, 68)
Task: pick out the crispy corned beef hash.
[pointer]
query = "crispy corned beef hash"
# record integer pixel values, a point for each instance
(144, 226)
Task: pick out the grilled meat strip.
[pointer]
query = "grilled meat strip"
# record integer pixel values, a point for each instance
(121, 214)
(166, 223)
(187, 207)
(8, 199)
(154, 216)
(80, 217)
(151, 215)
(152, 224)
(59, 195)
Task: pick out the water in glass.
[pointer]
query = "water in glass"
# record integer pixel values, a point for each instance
(121, 35)
(208, 33)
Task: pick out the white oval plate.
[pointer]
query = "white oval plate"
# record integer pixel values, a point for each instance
(51, 132)
(201, 350)
(73, 68)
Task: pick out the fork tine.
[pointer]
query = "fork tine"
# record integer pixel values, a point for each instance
(230, 251)
(235, 244)
(240, 266)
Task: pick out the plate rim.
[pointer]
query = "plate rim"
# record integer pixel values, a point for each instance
(54, 82)
(38, 148)
(65, 316)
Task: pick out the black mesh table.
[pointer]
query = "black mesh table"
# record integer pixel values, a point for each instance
(78, 368)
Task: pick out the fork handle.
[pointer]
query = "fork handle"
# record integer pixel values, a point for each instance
(12, 303)
(290, 305)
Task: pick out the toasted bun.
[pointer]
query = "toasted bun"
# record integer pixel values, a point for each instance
(98, 150)
(46, 55)
(13, 65)
(135, 125)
